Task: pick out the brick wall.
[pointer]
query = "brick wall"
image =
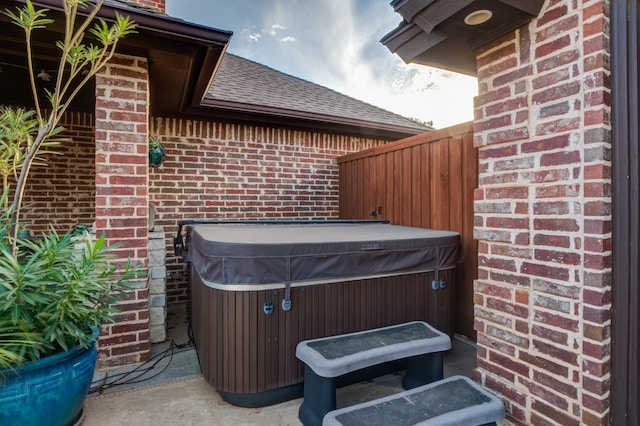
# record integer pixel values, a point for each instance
(122, 172)
(62, 186)
(543, 216)
(157, 5)
(226, 171)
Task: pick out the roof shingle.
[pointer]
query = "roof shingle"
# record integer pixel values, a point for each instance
(242, 84)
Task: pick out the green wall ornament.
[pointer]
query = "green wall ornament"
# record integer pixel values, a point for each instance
(156, 153)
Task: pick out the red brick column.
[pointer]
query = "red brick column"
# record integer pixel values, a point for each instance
(543, 216)
(122, 171)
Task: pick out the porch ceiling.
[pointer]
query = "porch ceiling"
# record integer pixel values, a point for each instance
(182, 56)
(434, 32)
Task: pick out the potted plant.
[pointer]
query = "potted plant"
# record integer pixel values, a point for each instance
(53, 298)
(55, 290)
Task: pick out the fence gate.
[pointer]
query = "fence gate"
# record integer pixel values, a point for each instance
(426, 181)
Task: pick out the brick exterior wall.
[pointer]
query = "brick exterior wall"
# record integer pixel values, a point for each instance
(157, 5)
(122, 198)
(543, 216)
(63, 186)
(225, 171)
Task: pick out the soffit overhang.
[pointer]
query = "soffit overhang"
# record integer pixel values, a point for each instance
(183, 56)
(434, 32)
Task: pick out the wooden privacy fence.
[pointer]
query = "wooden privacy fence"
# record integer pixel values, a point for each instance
(426, 181)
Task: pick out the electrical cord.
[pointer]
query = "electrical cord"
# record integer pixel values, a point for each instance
(137, 375)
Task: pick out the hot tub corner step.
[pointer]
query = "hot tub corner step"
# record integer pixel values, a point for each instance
(455, 400)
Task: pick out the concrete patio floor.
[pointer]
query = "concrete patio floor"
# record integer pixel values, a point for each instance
(169, 390)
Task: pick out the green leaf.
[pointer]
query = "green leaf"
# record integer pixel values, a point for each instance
(110, 34)
(28, 17)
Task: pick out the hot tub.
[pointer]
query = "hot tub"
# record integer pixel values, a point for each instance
(257, 289)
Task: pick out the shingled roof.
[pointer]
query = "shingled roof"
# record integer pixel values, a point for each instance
(241, 85)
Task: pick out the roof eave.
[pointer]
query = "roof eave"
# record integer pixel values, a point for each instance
(210, 43)
(157, 24)
(307, 120)
(183, 56)
(446, 41)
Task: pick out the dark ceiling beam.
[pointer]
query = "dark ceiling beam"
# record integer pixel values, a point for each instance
(532, 7)
(438, 12)
(409, 8)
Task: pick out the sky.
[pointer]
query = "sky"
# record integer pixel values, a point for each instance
(336, 44)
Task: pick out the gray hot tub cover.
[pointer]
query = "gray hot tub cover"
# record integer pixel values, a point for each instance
(249, 254)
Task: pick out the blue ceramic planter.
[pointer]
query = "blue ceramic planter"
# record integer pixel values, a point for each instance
(50, 391)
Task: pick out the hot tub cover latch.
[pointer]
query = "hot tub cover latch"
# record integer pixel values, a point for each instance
(286, 302)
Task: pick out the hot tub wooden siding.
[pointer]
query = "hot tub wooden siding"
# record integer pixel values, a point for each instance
(242, 350)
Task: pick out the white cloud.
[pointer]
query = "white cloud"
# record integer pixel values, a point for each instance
(254, 37)
(335, 43)
(274, 29)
